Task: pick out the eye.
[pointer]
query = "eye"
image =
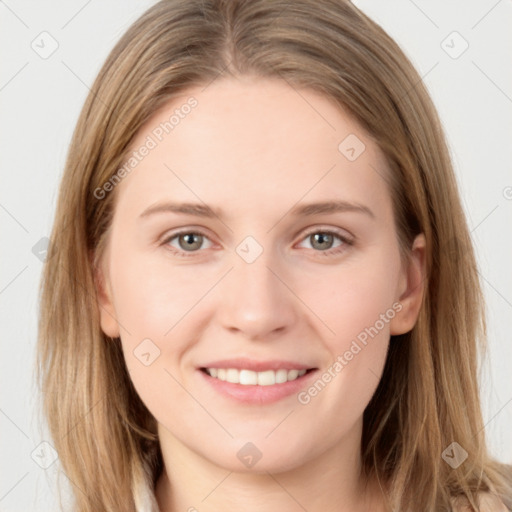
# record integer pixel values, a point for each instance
(323, 240)
(187, 241)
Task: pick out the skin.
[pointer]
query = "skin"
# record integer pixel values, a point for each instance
(256, 148)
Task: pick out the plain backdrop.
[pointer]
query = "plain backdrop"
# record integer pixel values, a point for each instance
(462, 50)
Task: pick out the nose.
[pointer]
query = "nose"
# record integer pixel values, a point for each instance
(256, 300)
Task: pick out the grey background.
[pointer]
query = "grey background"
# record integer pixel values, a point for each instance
(40, 99)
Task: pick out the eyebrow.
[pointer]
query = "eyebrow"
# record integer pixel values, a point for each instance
(203, 210)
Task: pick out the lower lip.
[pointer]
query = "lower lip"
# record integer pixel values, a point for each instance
(258, 394)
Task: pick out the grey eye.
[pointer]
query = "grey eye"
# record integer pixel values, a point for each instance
(325, 240)
(190, 241)
(321, 241)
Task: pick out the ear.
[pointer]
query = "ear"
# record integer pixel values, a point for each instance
(410, 288)
(108, 320)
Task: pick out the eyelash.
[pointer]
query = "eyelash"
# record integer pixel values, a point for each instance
(329, 252)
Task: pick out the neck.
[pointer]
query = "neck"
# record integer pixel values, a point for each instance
(329, 482)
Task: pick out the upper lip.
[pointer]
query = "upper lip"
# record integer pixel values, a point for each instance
(257, 366)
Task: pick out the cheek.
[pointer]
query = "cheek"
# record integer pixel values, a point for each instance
(356, 304)
(153, 295)
(159, 300)
(354, 297)
(159, 306)
(153, 302)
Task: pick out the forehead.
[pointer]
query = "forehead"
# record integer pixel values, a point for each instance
(254, 142)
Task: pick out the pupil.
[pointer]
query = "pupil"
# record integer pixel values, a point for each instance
(322, 238)
(192, 240)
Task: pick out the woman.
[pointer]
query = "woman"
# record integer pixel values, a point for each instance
(261, 283)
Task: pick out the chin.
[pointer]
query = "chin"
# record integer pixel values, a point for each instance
(260, 457)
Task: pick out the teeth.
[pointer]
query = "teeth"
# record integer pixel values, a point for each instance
(281, 376)
(250, 378)
(267, 378)
(247, 377)
(232, 375)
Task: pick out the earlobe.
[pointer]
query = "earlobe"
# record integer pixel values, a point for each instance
(108, 320)
(412, 286)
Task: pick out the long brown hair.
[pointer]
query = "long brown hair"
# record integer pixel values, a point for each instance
(428, 396)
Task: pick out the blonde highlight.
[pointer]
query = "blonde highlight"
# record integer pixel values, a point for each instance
(428, 395)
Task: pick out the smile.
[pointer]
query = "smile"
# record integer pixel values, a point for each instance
(253, 378)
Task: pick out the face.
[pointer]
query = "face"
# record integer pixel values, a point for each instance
(255, 242)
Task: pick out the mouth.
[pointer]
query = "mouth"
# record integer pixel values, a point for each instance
(247, 377)
(256, 383)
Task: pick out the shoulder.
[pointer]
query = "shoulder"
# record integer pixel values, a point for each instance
(491, 503)
(488, 503)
